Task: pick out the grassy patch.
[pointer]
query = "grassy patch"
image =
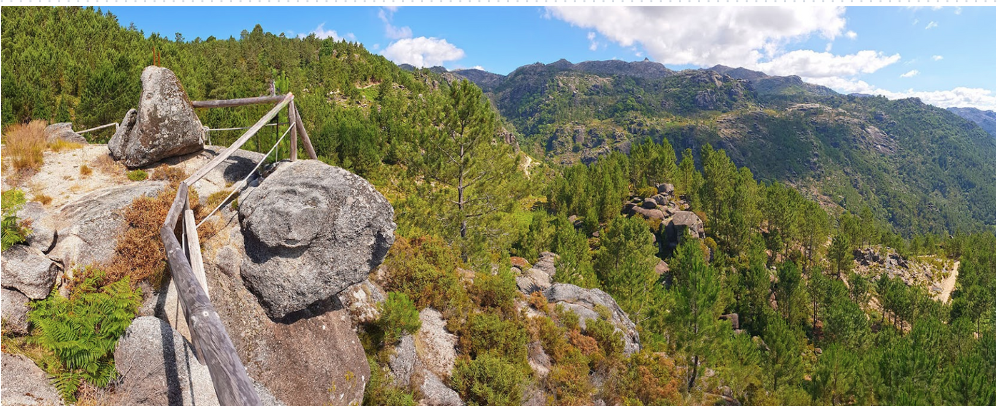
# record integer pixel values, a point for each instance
(137, 175)
(25, 144)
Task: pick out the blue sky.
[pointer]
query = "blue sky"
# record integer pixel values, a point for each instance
(944, 55)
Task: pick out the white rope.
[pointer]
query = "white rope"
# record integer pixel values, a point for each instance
(242, 184)
(99, 127)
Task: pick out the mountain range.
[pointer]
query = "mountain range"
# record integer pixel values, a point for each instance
(918, 167)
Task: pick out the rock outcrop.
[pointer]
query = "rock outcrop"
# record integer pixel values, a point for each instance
(584, 303)
(43, 233)
(14, 307)
(159, 367)
(28, 271)
(423, 360)
(163, 126)
(94, 222)
(63, 132)
(311, 230)
(682, 221)
(362, 300)
(24, 383)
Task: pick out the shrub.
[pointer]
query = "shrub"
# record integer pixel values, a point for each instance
(381, 391)
(650, 378)
(647, 191)
(13, 232)
(488, 380)
(218, 198)
(82, 331)
(137, 175)
(398, 317)
(108, 165)
(569, 379)
(587, 345)
(174, 175)
(425, 269)
(25, 144)
(487, 332)
(539, 301)
(611, 341)
(85, 170)
(496, 291)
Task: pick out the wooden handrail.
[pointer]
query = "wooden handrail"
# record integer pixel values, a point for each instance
(304, 134)
(242, 140)
(210, 104)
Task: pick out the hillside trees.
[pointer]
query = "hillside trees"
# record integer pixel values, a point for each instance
(694, 321)
(624, 264)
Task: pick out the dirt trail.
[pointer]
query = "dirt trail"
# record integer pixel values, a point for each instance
(947, 286)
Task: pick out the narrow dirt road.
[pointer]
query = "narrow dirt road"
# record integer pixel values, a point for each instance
(947, 285)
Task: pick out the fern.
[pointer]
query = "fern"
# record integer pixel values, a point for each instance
(82, 331)
(11, 231)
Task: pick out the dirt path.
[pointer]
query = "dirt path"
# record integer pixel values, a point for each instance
(947, 286)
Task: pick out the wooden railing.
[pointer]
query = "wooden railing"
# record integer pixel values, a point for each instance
(211, 342)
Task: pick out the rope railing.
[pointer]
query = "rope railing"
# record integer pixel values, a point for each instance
(212, 344)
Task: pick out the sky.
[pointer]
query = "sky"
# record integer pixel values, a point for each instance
(946, 56)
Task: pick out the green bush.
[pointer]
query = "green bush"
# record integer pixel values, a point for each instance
(399, 317)
(82, 331)
(12, 231)
(137, 175)
(647, 191)
(487, 332)
(425, 269)
(381, 391)
(609, 339)
(496, 291)
(488, 380)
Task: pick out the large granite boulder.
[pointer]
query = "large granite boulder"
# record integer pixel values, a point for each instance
(681, 222)
(163, 126)
(14, 307)
(584, 303)
(159, 367)
(311, 230)
(94, 221)
(24, 383)
(63, 132)
(28, 271)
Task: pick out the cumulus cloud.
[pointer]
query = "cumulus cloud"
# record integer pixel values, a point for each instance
(958, 97)
(422, 51)
(932, 24)
(910, 73)
(937, 57)
(851, 35)
(809, 63)
(323, 33)
(704, 36)
(593, 43)
(391, 31)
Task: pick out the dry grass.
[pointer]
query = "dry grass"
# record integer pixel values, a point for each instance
(85, 170)
(108, 165)
(168, 173)
(43, 199)
(63, 145)
(216, 199)
(25, 144)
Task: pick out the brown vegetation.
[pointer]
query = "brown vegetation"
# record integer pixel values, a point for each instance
(24, 143)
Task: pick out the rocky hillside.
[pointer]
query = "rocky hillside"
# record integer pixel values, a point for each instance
(918, 167)
(984, 118)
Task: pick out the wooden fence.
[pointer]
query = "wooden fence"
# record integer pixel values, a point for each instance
(211, 343)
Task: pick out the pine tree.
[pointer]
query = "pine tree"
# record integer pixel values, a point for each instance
(625, 263)
(694, 317)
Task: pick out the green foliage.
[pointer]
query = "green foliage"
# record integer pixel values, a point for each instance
(624, 263)
(13, 231)
(137, 175)
(488, 333)
(398, 317)
(495, 291)
(82, 331)
(488, 380)
(694, 319)
(425, 270)
(381, 391)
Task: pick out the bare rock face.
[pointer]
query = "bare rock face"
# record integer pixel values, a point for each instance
(585, 301)
(436, 346)
(164, 125)
(94, 221)
(310, 358)
(311, 230)
(64, 132)
(159, 367)
(425, 359)
(24, 383)
(43, 234)
(14, 307)
(28, 271)
(362, 301)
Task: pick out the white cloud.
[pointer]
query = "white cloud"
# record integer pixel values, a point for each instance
(704, 36)
(910, 73)
(478, 67)
(828, 46)
(937, 57)
(422, 51)
(958, 97)
(813, 64)
(591, 36)
(932, 24)
(957, 10)
(851, 35)
(391, 31)
(916, 21)
(322, 33)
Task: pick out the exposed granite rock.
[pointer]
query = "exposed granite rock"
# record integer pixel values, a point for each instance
(28, 271)
(585, 301)
(64, 132)
(14, 307)
(24, 383)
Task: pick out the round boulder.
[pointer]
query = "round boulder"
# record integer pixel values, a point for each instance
(63, 132)
(311, 230)
(28, 271)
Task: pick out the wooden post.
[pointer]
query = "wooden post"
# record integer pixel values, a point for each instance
(305, 135)
(232, 384)
(293, 153)
(194, 250)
